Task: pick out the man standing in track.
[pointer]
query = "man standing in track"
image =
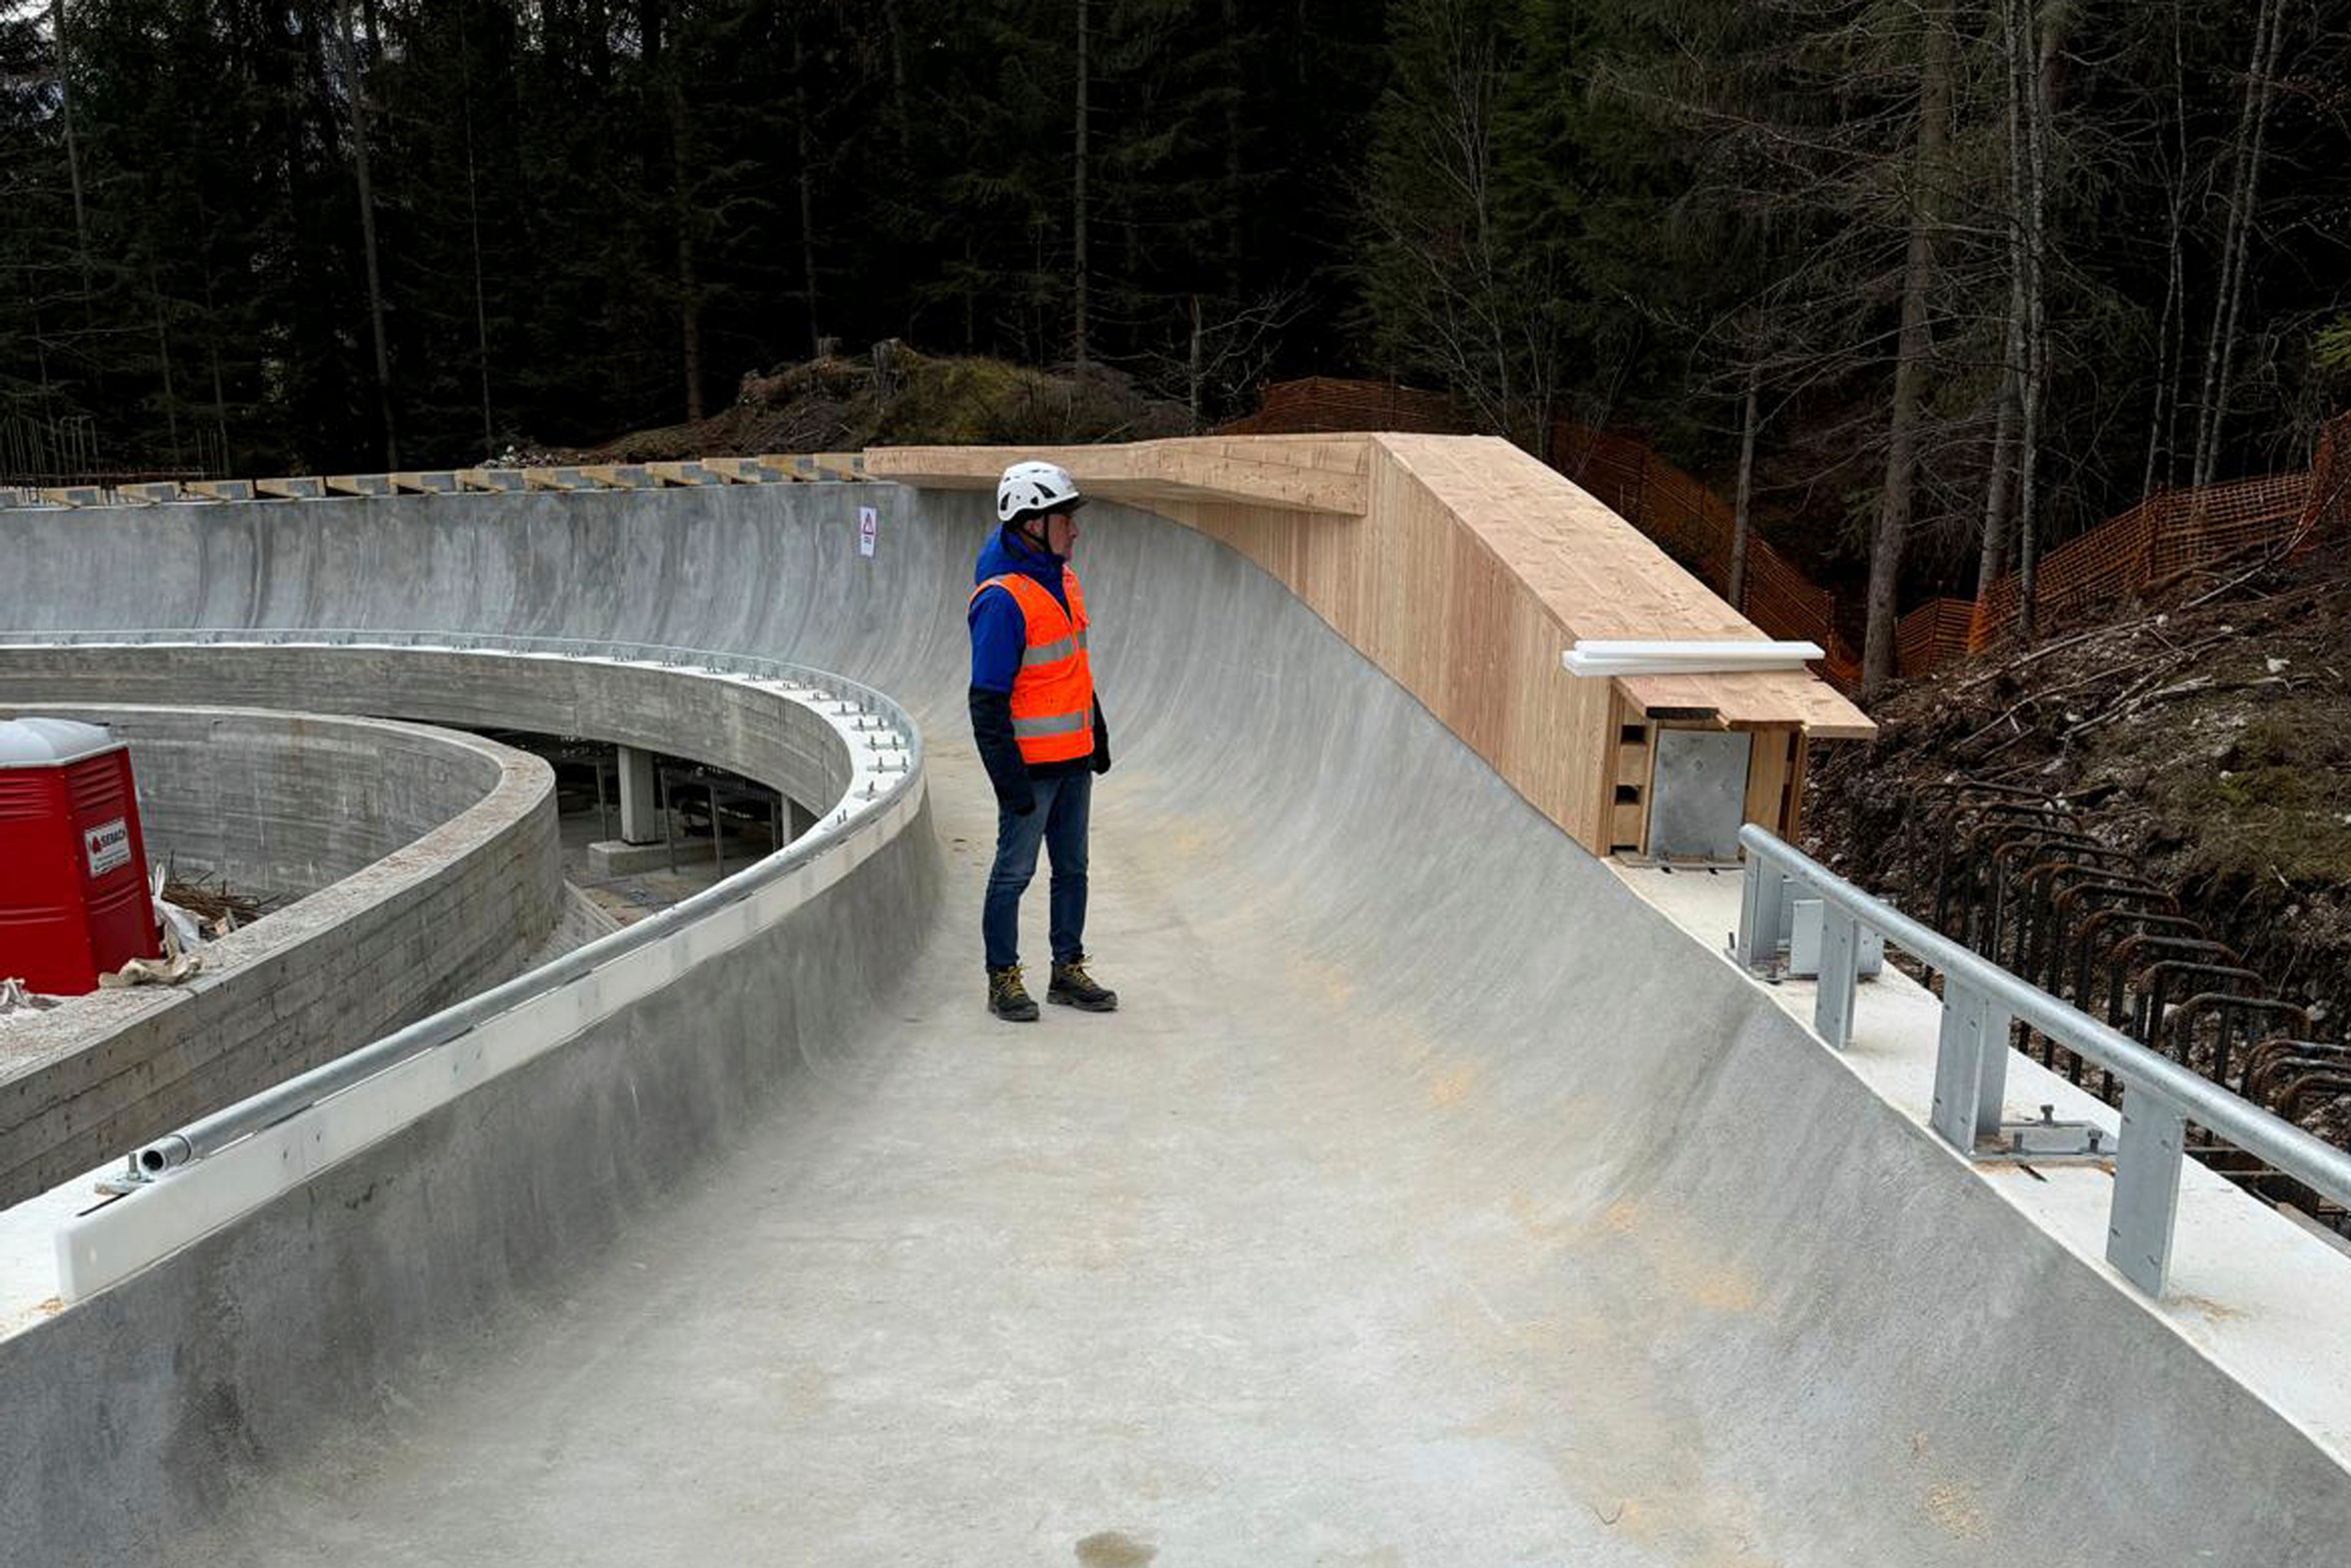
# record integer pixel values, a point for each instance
(1039, 731)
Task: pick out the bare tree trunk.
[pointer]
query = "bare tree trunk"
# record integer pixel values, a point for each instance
(163, 358)
(73, 146)
(2219, 351)
(1236, 91)
(357, 89)
(2162, 435)
(900, 110)
(1992, 560)
(1742, 525)
(474, 223)
(1078, 352)
(1914, 345)
(212, 335)
(806, 149)
(1195, 373)
(2038, 87)
(689, 275)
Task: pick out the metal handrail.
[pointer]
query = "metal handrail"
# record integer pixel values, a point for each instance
(1979, 999)
(211, 1134)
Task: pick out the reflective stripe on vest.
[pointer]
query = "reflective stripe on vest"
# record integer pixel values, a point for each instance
(1053, 694)
(1054, 724)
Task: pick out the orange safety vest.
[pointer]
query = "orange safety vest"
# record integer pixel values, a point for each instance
(1053, 694)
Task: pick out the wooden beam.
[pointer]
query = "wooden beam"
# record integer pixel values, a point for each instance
(497, 481)
(220, 489)
(1314, 474)
(359, 484)
(812, 468)
(302, 488)
(618, 475)
(683, 474)
(433, 482)
(745, 470)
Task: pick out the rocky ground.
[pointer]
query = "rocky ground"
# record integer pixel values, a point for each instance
(895, 396)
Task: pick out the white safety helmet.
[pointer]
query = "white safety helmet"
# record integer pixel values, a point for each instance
(1033, 489)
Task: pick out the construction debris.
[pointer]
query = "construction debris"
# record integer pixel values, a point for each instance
(217, 908)
(16, 1002)
(176, 966)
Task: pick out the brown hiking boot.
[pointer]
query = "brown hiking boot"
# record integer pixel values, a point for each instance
(1073, 987)
(1007, 999)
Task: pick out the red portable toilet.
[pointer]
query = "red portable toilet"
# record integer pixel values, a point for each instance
(73, 865)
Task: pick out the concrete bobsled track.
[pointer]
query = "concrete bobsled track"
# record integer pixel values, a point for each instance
(1431, 1199)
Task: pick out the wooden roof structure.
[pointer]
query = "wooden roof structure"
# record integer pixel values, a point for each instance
(1464, 568)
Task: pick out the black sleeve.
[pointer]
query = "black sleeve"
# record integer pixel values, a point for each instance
(999, 753)
(1102, 740)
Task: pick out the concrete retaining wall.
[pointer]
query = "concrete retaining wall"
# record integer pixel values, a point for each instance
(462, 882)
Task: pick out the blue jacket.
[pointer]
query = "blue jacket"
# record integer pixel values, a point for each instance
(999, 634)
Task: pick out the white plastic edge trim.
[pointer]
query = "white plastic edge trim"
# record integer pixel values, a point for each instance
(1691, 658)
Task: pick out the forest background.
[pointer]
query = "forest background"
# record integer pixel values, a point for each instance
(1930, 285)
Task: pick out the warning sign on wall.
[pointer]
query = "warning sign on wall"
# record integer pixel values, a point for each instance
(869, 529)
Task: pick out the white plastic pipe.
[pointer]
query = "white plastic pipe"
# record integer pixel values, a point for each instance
(1685, 658)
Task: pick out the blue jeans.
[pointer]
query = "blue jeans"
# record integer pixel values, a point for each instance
(1059, 820)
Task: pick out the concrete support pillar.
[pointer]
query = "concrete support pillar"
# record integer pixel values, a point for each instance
(641, 818)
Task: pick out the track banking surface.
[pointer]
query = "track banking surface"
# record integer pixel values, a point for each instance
(1431, 1199)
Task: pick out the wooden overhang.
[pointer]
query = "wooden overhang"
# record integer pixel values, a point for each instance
(1463, 567)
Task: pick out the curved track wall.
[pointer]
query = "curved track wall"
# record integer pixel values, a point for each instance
(1550, 1211)
(446, 872)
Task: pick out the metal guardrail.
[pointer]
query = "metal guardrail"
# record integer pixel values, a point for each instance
(894, 770)
(1980, 999)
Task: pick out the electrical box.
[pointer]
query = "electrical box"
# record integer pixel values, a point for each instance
(74, 902)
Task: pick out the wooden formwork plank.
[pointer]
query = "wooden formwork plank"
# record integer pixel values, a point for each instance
(1770, 767)
(694, 473)
(150, 492)
(618, 475)
(1629, 827)
(358, 484)
(298, 488)
(429, 482)
(558, 478)
(812, 466)
(744, 470)
(1791, 821)
(73, 495)
(495, 481)
(219, 489)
